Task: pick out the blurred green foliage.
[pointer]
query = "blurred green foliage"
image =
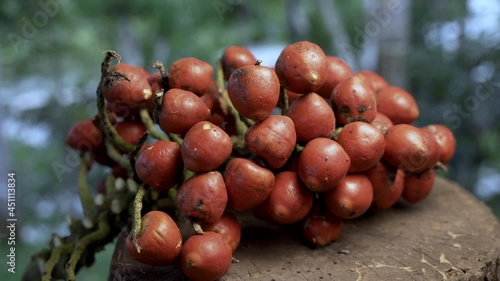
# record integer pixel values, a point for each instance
(63, 55)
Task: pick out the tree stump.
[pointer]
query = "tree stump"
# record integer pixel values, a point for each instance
(449, 236)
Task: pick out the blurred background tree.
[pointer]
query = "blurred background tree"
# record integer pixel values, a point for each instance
(446, 53)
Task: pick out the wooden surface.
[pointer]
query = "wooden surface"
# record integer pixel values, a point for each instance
(449, 236)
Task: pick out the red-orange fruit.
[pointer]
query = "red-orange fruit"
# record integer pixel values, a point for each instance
(375, 80)
(130, 131)
(410, 148)
(273, 139)
(417, 187)
(191, 74)
(180, 110)
(397, 104)
(351, 198)
(446, 141)
(160, 165)
(205, 147)
(292, 96)
(353, 100)
(235, 57)
(312, 116)
(388, 199)
(323, 163)
(363, 143)
(206, 257)
(254, 91)
(338, 71)
(160, 240)
(382, 178)
(382, 122)
(126, 85)
(302, 67)
(289, 201)
(321, 229)
(84, 136)
(228, 226)
(203, 197)
(247, 183)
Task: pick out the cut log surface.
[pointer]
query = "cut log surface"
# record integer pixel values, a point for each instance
(449, 236)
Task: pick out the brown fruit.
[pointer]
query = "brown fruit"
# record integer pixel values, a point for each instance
(302, 67)
(203, 197)
(160, 165)
(206, 257)
(382, 122)
(254, 91)
(418, 186)
(351, 198)
(388, 199)
(130, 131)
(84, 136)
(363, 143)
(289, 201)
(228, 226)
(321, 229)
(160, 240)
(353, 100)
(247, 183)
(382, 178)
(337, 72)
(323, 164)
(397, 104)
(410, 148)
(191, 74)
(272, 139)
(180, 110)
(312, 116)
(126, 85)
(235, 57)
(446, 141)
(205, 147)
(375, 81)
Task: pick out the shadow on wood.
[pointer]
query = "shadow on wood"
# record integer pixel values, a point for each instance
(449, 236)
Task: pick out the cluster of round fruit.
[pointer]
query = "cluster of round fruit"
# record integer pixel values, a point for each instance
(307, 142)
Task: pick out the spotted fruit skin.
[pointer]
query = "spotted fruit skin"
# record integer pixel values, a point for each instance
(312, 116)
(235, 57)
(354, 100)
(351, 198)
(203, 197)
(338, 71)
(273, 139)
(254, 91)
(323, 163)
(160, 240)
(205, 147)
(191, 74)
(206, 257)
(302, 67)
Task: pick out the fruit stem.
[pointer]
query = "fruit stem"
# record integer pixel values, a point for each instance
(164, 77)
(137, 215)
(117, 157)
(106, 125)
(133, 154)
(102, 231)
(148, 123)
(55, 256)
(83, 189)
(283, 102)
(241, 127)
